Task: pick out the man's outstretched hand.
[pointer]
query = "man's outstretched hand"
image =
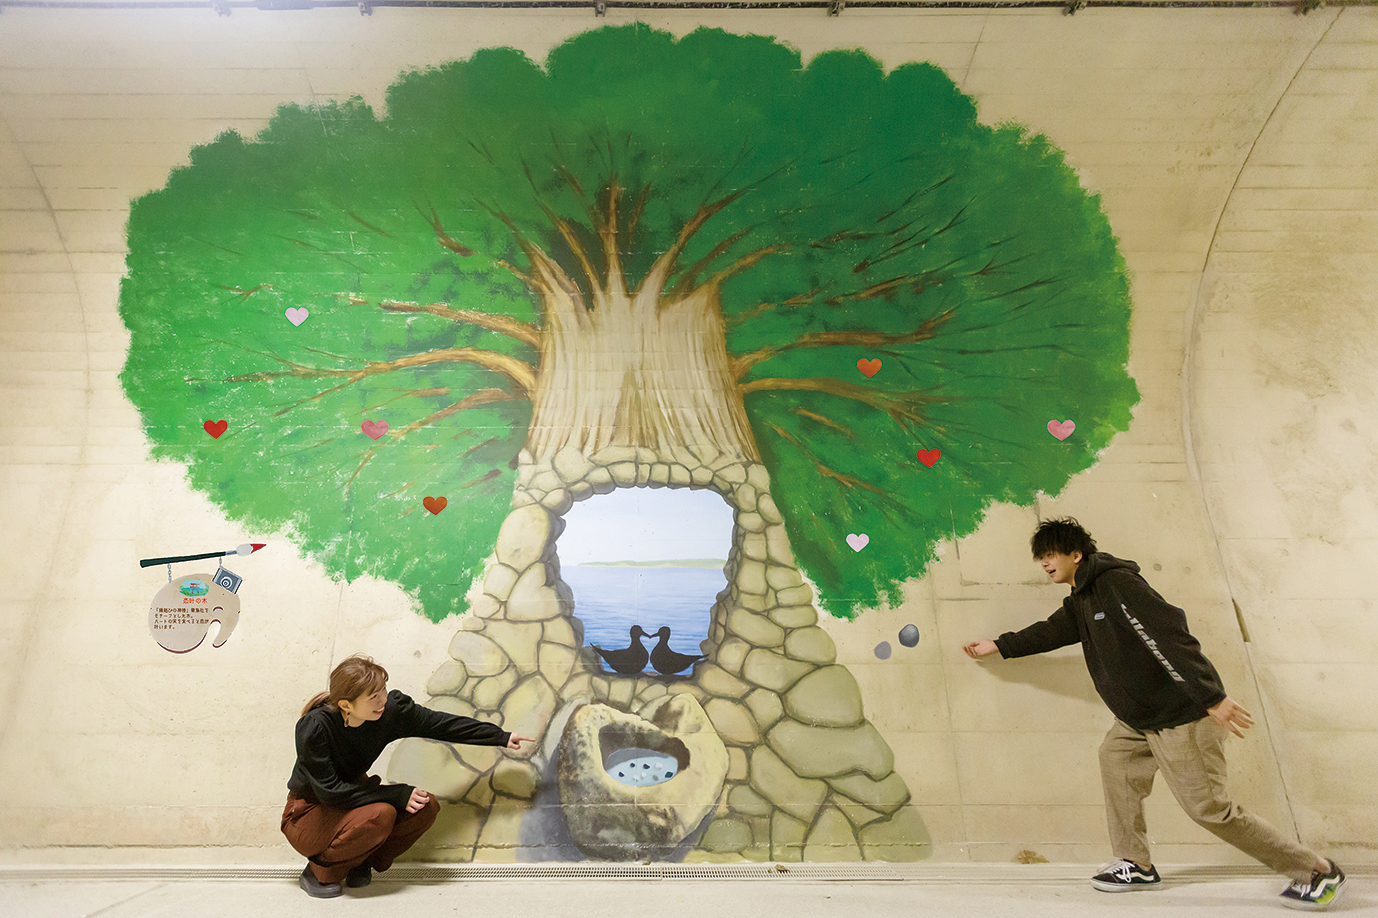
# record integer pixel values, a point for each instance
(1232, 716)
(978, 649)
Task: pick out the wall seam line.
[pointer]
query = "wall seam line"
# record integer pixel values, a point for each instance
(1191, 330)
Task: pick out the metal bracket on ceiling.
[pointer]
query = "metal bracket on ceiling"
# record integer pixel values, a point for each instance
(1072, 6)
(836, 7)
(1305, 6)
(365, 7)
(600, 8)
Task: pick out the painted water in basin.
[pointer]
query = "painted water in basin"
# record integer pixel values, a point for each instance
(641, 767)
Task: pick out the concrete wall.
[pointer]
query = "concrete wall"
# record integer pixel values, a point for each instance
(1235, 156)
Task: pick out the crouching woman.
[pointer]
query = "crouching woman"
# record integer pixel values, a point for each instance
(346, 822)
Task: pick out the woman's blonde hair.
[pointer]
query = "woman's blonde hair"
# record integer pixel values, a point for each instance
(356, 675)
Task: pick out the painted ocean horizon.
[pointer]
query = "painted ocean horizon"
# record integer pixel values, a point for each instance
(610, 597)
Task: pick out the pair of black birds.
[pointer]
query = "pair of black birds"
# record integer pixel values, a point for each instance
(633, 658)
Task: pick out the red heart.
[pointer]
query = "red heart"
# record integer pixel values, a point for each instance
(216, 428)
(929, 456)
(869, 367)
(435, 504)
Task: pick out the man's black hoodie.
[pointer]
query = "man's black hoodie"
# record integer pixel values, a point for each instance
(1144, 662)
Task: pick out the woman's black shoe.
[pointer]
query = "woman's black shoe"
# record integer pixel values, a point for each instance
(315, 888)
(359, 876)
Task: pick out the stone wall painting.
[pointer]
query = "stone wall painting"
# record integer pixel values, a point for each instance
(825, 293)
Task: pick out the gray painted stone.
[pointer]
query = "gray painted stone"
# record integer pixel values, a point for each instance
(755, 628)
(831, 838)
(532, 600)
(500, 581)
(448, 678)
(794, 616)
(745, 800)
(571, 465)
(773, 780)
(523, 536)
(733, 721)
(751, 578)
(824, 752)
(518, 640)
(490, 690)
(811, 644)
(765, 706)
(732, 653)
(787, 837)
(886, 795)
(903, 837)
(726, 836)
(828, 697)
(716, 681)
(480, 656)
(773, 671)
(527, 709)
(430, 765)
(516, 779)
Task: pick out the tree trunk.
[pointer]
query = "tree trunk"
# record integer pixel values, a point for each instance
(632, 372)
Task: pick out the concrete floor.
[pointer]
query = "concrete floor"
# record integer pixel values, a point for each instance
(989, 891)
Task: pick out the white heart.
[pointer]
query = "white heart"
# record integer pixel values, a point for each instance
(297, 314)
(858, 541)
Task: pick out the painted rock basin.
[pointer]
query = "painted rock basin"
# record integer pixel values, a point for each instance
(635, 786)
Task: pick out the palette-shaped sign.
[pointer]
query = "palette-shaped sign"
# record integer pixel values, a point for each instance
(182, 612)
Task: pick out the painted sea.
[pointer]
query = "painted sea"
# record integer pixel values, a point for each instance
(609, 600)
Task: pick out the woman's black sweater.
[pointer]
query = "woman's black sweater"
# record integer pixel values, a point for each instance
(333, 760)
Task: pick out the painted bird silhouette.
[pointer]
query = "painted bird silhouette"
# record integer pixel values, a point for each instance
(629, 660)
(665, 660)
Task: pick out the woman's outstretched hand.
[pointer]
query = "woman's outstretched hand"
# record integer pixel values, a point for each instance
(978, 649)
(515, 741)
(419, 799)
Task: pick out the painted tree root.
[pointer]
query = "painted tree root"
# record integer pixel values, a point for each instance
(809, 778)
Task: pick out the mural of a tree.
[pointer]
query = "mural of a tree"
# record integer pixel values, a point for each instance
(649, 242)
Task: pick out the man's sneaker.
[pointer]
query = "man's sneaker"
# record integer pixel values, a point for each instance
(1123, 876)
(1320, 892)
(315, 888)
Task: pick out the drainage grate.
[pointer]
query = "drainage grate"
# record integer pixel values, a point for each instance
(451, 873)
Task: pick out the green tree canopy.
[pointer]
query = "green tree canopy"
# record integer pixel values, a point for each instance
(450, 252)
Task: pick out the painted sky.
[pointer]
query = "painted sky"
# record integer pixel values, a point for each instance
(639, 524)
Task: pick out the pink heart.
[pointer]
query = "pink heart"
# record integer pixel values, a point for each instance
(869, 367)
(297, 314)
(929, 456)
(374, 429)
(1061, 429)
(858, 541)
(216, 428)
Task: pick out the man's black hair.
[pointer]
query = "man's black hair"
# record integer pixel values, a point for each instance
(1062, 536)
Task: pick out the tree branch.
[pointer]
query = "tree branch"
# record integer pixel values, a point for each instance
(481, 397)
(521, 374)
(503, 325)
(902, 407)
(925, 331)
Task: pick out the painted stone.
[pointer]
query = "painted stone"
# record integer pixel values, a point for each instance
(831, 838)
(733, 722)
(527, 709)
(726, 836)
(755, 628)
(532, 600)
(523, 536)
(516, 779)
(773, 671)
(824, 752)
(828, 697)
(886, 795)
(448, 679)
(811, 644)
(612, 820)
(480, 656)
(787, 837)
(902, 837)
(430, 765)
(773, 780)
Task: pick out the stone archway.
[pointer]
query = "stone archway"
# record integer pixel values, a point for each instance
(807, 775)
